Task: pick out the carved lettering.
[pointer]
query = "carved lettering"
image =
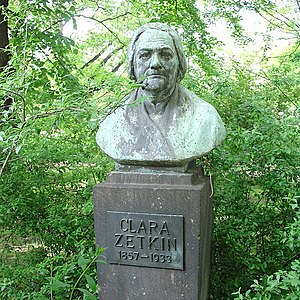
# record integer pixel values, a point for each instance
(142, 227)
(141, 241)
(152, 225)
(162, 243)
(172, 245)
(164, 228)
(123, 226)
(129, 241)
(151, 242)
(130, 227)
(118, 241)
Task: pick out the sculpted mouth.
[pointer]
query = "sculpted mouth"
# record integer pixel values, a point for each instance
(155, 75)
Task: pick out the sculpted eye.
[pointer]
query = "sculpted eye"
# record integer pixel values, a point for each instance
(166, 55)
(144, 55)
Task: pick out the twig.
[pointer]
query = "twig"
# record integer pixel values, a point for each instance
(104, 20)
(50, 113)
(53, 24)
(273, 23)
(278, 87)
(7, 159)
(117, 67)
(12, 92)
(280, 20)
(102, 23)
(222, 173)
(116, 17)
(297, 255)
(105, 60)
(282, 15)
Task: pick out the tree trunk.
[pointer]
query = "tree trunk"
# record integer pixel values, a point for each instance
(4, 43)
(3, 36)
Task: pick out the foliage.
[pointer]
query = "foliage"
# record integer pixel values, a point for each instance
(259, 168)
(62, 86)
(282, 284)
(59, 277)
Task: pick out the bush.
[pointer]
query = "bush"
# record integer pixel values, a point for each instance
(281, 284)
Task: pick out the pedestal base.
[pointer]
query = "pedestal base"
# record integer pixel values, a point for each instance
(157, 231)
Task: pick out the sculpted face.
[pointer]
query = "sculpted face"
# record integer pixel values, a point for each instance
(155, 61)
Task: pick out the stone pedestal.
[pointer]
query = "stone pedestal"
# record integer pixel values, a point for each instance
(156, 227)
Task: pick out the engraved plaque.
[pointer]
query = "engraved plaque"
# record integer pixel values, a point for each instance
(141, 239)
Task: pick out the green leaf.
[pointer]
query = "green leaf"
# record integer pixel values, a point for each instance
(18, 148)
(83, 262)
(2, 134)
(91, 283)
(74, 23)
(43, 271)
(56, 285)
(89, 295)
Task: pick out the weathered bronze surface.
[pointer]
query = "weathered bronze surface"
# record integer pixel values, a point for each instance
(161, 123)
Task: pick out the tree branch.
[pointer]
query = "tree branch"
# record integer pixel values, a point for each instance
(114, 34)
(117, 67)
(94, 58)
(91, 60)
(282, 15)
(11, 150)
(53, 112)
(53, 24)
(12, 92)
(278, 87)
(280, 20)
(105, 60)
(273, 23)
(104, 20)
(288, 54)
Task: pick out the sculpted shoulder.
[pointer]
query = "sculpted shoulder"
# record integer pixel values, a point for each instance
(112, 130)
(199, 128)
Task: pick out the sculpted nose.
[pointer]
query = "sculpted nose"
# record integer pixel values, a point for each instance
(155, 62)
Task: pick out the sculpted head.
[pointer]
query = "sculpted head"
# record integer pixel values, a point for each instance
(155, 57)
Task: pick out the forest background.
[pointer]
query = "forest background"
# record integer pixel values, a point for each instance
(56, 88)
